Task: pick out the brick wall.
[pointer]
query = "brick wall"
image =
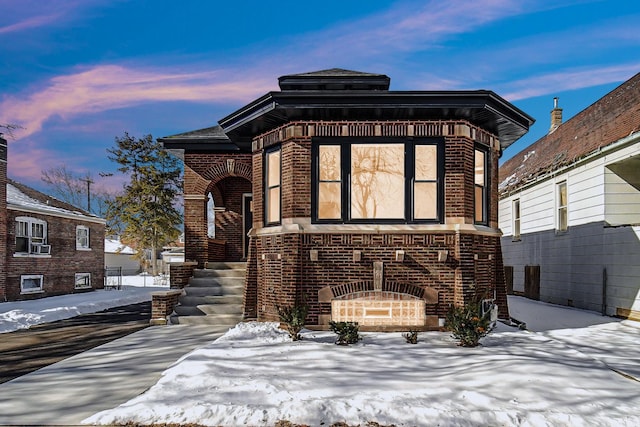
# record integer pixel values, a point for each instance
(162, 305)
(226, 177)
(285, 273)
(180, 273)
(3, 217)
(65, 261)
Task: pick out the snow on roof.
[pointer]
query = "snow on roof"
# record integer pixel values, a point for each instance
(113, 246)
(48, 205)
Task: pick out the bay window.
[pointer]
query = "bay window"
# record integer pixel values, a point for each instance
(365, 180)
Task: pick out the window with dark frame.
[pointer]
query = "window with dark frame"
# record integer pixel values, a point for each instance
(480, 185)
(377, 180)
(272, 175)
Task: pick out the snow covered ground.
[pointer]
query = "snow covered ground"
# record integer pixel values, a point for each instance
(571, 368)
(24, 314)
(568, 375)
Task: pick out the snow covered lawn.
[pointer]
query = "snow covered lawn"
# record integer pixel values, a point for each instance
(254, 375)
(24, 314)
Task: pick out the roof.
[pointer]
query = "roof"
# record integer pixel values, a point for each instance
(613, 117)
(338, 95)
(365, 96)
(211, 139)
(23, 197)
(112, 246)
(334, 79)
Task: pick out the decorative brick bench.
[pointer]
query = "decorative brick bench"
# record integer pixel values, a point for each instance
(162, 305)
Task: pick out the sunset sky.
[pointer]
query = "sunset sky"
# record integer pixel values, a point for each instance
(75, 74)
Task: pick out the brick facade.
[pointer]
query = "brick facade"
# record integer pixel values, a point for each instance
(58, 269)
(284, 270)
(431, 258)
(227, 177)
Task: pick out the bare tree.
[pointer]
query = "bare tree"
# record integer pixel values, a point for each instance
(76, 189)
(9, 128)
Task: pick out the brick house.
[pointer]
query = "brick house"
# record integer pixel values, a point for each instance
(570, 208)
(48, 247)
(371, 205)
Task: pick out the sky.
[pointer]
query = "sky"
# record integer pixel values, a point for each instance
(76, 74)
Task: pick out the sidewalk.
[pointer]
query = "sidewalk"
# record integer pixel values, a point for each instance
(71, 390)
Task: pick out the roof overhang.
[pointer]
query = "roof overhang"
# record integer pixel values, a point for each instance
(482, 108)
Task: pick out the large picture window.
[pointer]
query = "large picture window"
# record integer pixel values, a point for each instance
(363, 180)
(272, 186)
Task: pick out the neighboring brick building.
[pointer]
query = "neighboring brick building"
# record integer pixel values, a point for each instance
(570, 208)
(371, 205)
(48, 247)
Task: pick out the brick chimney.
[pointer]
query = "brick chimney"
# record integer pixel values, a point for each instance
(556, 116)
(3, 218)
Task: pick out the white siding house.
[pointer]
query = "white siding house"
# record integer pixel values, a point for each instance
(569, 209)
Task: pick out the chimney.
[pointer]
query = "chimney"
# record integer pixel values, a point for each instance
(556, 116)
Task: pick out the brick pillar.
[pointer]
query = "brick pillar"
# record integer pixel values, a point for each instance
(3, 218)
(196, 246)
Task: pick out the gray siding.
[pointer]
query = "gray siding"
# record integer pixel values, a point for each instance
(572, 265)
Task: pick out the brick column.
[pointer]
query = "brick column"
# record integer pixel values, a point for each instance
(195, 229)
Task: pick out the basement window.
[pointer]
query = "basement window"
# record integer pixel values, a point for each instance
(31, 283)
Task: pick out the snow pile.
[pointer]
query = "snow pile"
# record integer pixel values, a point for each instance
(253, 376)
(24, 314)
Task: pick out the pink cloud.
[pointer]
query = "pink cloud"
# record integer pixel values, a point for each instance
(108, 87)
(568, 80)
(29, 23)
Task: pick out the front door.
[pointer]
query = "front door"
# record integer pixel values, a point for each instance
(247, 220)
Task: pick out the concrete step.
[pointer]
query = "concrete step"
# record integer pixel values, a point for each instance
(217, 320)
(207, 272)
(203, 291)
(212, 309)
(226, 265)
(188, 310)
(195, 300)
(216, 281)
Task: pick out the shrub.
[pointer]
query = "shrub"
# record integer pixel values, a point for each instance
(294, 318)
(411, 337)
(348, 332)
(468, 325)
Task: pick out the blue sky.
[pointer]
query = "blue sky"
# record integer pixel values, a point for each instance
(78, 73)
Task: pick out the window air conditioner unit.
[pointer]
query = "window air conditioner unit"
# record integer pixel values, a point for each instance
(41, 249)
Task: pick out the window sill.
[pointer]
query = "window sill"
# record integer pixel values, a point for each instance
(83, 249)
(35, 291)
(26, 255)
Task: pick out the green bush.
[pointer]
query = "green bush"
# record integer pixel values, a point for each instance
(294, 318)
(411, 337)
(348, 332)
(468, 325)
